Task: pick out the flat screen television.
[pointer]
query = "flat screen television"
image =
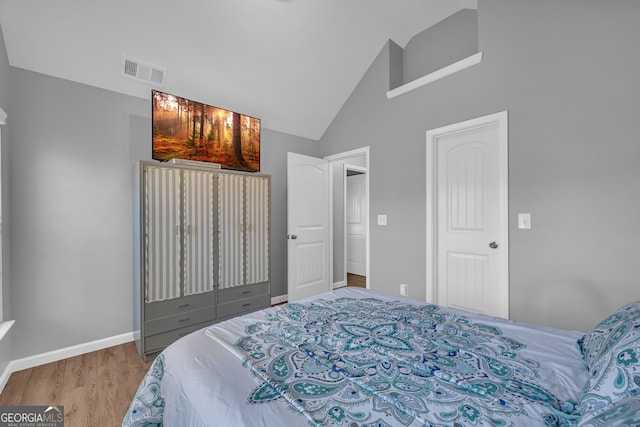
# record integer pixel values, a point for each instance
(190, 130)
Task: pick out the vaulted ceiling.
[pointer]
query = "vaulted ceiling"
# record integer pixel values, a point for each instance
(292, 63)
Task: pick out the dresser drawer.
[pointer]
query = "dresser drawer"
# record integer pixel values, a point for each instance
(188, 318)
(170, 307)
(157, 343)
(242, 292)
(242, 306)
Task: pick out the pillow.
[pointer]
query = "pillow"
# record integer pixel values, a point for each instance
(605, 334)
(623, 413)
(611, 353)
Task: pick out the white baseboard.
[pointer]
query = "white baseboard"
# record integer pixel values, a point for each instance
(284, 298)
(63, 353)
(279, 299)
(341, 284)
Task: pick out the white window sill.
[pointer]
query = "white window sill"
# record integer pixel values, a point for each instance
(4, 328)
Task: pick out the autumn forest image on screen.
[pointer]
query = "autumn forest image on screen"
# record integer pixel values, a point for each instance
(185, 129)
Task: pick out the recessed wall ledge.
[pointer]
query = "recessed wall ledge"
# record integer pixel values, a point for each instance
(436, 75)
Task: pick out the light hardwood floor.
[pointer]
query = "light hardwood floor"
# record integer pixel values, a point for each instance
(95, 388)
(356, 280)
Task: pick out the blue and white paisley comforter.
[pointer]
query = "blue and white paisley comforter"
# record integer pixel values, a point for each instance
(358, 358)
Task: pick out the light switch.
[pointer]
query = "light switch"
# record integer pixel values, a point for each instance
(382, 219)
(524, 221)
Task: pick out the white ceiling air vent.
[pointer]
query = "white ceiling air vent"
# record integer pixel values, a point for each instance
(140, 70)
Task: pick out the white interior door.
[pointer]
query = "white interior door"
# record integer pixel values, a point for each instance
(356, 224)
(308, 227)
(470, 227)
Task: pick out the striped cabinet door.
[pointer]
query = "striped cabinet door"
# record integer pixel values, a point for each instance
(257, 229)
(231, 245)
(162, 233)
(199, 231)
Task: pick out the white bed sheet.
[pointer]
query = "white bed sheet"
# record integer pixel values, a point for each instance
(205, 383)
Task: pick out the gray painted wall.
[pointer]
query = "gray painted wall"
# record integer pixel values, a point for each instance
(567, 72)
(70, 205)
(6, 136)
(6, 342)
(72, 155)
(448, 41)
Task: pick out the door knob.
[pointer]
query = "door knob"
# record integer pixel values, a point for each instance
(292, 236)
(493, 245)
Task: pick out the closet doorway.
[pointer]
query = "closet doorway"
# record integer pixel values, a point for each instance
(355, 225)
(350, 217)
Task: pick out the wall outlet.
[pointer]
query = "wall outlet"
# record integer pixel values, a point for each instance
(404, 289)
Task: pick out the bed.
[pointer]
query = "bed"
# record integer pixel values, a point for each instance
(355, 357)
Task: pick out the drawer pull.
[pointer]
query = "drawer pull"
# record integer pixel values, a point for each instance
(246, 305)
(184, 305)
(246, 292)
(186, 319)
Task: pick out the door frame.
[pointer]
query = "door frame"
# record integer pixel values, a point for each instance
(361, 170)
(363, 151)
(501, 118)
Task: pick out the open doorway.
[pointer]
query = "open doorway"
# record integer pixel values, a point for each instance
(350, 217)
(355, 225)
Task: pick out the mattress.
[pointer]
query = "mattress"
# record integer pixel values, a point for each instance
(354, 357)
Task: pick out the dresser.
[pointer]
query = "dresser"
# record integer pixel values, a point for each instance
(201, 249)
